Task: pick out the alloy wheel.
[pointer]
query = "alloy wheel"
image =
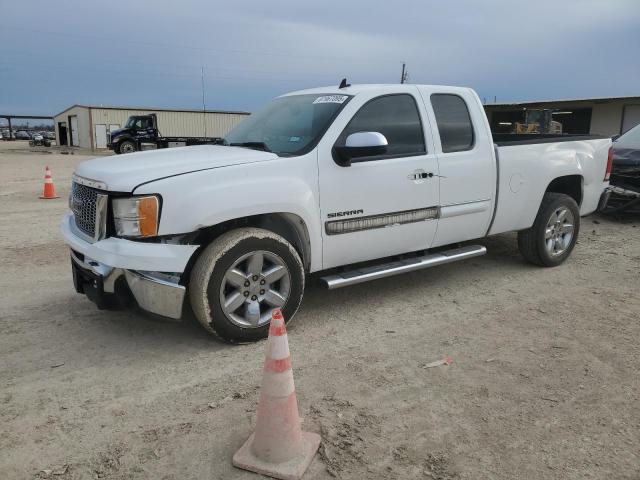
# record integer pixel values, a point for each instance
(253, 286)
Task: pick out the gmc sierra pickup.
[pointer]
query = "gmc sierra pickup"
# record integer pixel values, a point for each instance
(374, 179)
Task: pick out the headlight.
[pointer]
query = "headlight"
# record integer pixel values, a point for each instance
(136, 216)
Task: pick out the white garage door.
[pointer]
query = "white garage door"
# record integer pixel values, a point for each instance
(631, 117)
(74, 131)
(101, 136)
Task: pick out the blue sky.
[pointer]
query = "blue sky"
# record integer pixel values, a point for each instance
(149, 53)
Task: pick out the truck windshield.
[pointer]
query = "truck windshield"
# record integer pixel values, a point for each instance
(290, 125)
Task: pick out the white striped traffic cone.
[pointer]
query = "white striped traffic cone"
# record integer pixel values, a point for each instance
(49, 190)
(278, 448)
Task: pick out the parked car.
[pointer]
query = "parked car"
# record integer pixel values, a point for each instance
(322, 180)
(625, 175)
(22, 135)
(50, 135)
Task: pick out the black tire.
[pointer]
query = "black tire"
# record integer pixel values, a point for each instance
(531, 242)
(206, 279)
(125, 145)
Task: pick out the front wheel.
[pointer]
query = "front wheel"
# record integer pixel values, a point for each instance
(126, 146)
(554, 233)
(240, 278)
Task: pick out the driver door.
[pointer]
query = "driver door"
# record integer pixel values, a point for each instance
(380, 205)
(145, 131)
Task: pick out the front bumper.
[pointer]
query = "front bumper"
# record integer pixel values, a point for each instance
(151, 271)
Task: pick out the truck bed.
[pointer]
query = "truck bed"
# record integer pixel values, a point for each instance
(527, 166)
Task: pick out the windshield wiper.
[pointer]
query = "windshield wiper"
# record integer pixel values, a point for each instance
(254, 145)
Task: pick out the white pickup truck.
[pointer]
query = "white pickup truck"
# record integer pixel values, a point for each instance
(360, 182)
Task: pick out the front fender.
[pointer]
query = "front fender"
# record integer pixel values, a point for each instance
(202, 199)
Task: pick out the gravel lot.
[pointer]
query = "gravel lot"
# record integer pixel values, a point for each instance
(544, 382)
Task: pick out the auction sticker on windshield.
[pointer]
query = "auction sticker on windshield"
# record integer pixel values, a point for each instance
(331, 99)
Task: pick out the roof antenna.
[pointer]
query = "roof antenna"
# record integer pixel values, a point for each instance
(344, 84)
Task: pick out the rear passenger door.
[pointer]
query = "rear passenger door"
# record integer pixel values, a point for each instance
(467, 163)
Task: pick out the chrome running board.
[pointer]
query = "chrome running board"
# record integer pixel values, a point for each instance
(359, 275)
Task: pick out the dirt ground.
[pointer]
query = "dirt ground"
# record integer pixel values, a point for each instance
(544, 382)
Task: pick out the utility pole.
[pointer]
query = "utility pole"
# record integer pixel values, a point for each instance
(405, 74)
(204, 112)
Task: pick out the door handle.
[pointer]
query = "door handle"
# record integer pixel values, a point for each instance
(420, 176)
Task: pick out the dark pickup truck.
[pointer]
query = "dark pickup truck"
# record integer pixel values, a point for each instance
(142, 131)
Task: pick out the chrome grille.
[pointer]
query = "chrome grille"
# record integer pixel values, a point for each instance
(83, 205)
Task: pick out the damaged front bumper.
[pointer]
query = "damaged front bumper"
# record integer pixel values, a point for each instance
(624, 190)
(119, 269)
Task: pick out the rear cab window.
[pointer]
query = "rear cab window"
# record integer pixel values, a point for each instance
(454, 122)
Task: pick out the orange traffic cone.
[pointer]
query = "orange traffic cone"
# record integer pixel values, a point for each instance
(278, 448)
(49, 191)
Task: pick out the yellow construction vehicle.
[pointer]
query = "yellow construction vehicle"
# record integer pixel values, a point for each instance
(538, 121)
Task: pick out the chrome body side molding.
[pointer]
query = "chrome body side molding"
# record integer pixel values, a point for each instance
(337, 227)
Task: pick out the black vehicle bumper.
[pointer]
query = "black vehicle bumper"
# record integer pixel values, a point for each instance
(91, 284)
(604, 199)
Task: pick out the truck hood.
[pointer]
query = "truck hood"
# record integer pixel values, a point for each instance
(123, 173)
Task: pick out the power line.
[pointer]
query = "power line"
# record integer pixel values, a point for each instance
(204, 108)
(74, 61)
(133, 72)
(199, 48)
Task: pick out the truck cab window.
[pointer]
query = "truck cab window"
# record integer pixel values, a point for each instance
(394, 116)
(139, 122)
(454, 122)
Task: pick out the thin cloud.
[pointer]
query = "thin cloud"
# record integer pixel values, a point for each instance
(148, 52)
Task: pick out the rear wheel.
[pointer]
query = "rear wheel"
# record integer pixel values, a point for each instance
(240, 278)
(554, 233)
(126, 146)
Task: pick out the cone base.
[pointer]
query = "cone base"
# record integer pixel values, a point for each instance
(48, 198)
(291, 470)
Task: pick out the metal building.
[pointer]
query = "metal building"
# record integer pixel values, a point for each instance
(603, 116)
(88, 126)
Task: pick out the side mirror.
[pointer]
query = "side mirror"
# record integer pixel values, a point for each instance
(359, 145)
